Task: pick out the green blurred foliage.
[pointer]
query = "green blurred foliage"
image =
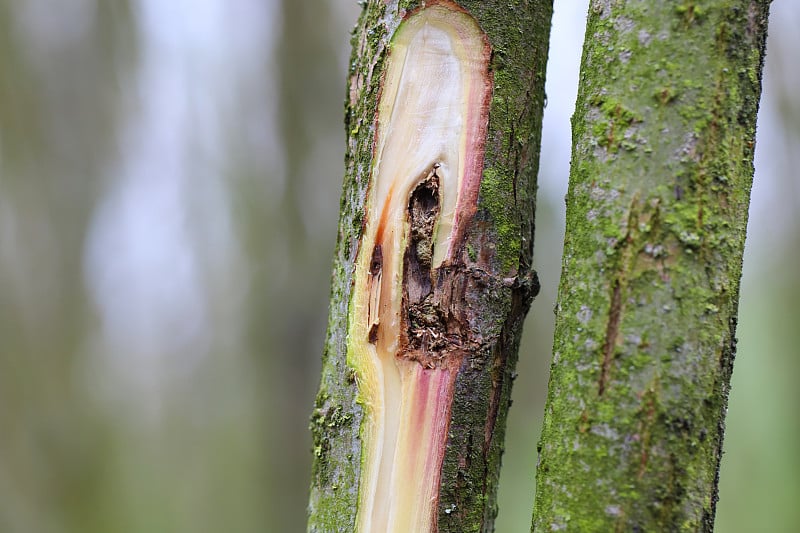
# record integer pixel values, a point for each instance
(169, 185)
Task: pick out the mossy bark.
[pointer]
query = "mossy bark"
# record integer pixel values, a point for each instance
(498, 254)
(662, 166)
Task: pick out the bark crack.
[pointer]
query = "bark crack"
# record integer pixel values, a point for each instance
(612, 331)
(374, 285)
(626, 264)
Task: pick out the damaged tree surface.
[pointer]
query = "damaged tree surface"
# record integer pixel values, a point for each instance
(424, 333)
(432, 273)
(662, 164)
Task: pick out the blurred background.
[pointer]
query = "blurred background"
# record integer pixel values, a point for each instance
(169, 189)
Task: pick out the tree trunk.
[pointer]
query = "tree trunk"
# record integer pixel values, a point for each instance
(432, 272)
(662, 166)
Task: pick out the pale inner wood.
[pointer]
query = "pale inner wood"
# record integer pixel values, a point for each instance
(436, 70)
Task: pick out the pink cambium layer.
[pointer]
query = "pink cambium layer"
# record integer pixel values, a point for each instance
(475, 145)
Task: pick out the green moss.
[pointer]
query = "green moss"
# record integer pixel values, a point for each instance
(664, 95)
(690, 12)
(408, 5)
(496, 195)
(325, 420)
(472, 253)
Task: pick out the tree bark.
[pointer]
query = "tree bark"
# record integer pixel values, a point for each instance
(477, 293)
(662, 166)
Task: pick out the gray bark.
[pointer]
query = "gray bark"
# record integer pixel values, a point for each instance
(662, 165)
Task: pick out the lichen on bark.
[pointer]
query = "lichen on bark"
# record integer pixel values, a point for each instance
(662, 165)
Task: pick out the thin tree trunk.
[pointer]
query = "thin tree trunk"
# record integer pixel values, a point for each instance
(662, 166)
(432, 273)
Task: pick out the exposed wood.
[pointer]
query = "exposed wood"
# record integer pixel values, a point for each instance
(431, 128)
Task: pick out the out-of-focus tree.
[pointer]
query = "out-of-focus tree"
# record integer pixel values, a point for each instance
(758, 477)
(59, 116)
